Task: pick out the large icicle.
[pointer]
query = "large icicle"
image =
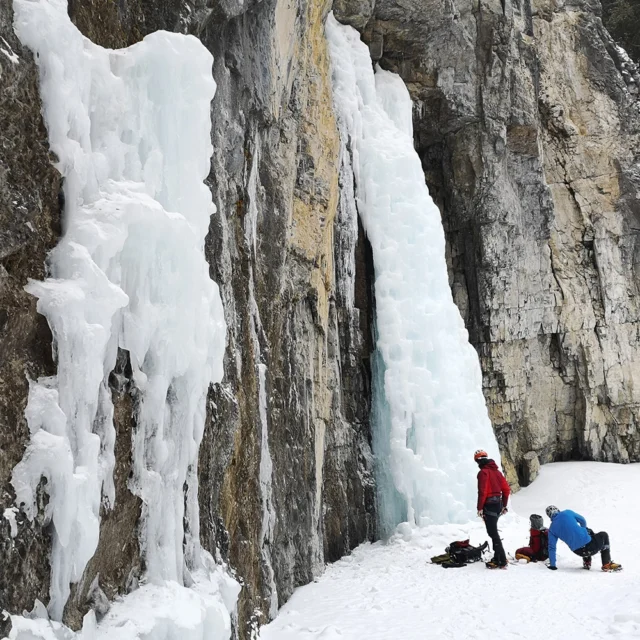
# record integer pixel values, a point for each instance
(433, 415)
(131, 131)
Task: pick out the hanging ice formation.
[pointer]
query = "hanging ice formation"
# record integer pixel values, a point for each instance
(131, 132)
(429, 411)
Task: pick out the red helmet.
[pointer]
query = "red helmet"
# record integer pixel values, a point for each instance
(480, 453)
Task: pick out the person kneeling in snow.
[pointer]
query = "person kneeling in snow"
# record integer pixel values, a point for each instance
(493, 493)
(571, 528)
(538, 541)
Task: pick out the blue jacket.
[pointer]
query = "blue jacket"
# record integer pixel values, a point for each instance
(570, 527)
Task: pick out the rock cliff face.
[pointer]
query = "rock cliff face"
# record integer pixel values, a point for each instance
(286, 466)
(295, 344)
(527, 121)
(29, 227)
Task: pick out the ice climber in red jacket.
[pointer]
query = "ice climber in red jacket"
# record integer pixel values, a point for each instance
(493, 495)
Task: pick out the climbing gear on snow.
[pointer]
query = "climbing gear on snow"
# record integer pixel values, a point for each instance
(460, 553)
(612, 566)
(443, 557)
(495, 565)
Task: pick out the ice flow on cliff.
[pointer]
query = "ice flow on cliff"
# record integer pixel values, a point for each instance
(430, 411)
(131, 133)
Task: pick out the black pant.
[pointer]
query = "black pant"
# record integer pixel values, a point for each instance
(599, 542)
(491, 522)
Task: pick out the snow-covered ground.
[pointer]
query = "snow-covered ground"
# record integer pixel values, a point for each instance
(392, 591)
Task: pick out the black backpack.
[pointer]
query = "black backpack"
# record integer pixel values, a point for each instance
(462, 552)
(544, 535)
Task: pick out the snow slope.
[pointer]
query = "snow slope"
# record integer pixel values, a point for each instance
(392, 592)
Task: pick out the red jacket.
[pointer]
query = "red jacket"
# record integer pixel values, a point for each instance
(492, 483)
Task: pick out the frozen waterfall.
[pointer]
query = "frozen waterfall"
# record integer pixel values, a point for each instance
(429, 412)
(131, 132)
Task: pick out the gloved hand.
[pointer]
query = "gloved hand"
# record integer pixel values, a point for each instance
(504, 510)
(552, 568)
(480, 514)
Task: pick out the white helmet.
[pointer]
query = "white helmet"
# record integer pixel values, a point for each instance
(552, 511)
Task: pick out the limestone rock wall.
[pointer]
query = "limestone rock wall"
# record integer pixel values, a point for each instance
(295, 396)
(273, 249)
(527, 121)
(29, 227)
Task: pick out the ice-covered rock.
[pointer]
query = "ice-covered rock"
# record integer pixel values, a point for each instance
(131, 133)
(529, 137)
(431, 376)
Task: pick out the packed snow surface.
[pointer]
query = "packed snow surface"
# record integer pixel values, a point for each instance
(131, 133)
(432, 415)
(152, 612)
(392, 591)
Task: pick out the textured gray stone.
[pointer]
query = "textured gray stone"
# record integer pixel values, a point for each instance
(29, 225)
(530, 467)
(275, 249)
(274, 169)
(353, 12)
(526, 121)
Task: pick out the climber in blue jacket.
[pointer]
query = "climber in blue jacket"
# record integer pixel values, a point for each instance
(571, 528)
